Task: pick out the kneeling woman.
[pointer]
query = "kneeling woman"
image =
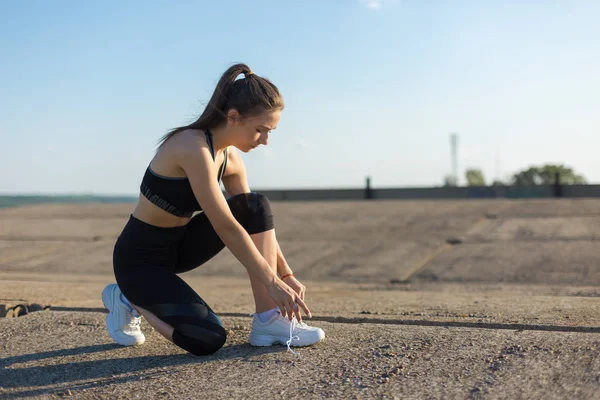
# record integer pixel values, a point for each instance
(163, 238)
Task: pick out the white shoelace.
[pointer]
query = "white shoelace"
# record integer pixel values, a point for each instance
(292, 337)
(135, 322)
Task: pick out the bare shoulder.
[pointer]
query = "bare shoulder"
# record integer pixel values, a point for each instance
(235, 163)
(187, 143)
(182, 148)
(233, 155)
(235, 179)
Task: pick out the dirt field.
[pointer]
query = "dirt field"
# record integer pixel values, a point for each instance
(419, 299)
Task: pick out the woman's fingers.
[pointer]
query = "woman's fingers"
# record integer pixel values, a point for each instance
(282, 309)
(297, 312)
(289, 302)
(290, 311)
(303, 306)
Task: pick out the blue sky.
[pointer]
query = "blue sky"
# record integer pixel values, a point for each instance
(372, 88)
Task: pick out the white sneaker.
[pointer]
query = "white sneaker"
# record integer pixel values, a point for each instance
(122, 321)
(277, 330)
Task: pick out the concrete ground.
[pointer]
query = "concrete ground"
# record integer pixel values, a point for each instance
(490, 299)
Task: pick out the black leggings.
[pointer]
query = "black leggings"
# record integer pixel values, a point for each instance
(147, 259)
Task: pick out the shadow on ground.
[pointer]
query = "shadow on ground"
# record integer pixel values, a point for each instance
(105, 372)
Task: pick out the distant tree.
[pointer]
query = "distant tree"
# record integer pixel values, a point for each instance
(545, 175)
(530, 176)
(498, 182)
(474, 177)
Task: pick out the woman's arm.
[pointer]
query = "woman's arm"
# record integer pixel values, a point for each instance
(196, 160)
(282, 266)
(235, 181)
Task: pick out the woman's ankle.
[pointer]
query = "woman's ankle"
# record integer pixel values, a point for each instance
(267, 315)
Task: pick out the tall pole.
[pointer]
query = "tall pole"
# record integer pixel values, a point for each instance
(454, 145)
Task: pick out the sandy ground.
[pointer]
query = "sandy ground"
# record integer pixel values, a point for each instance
(419, 299)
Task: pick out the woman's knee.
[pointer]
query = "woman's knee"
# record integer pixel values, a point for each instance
(200, 339)
(196, 328)
(253, 211)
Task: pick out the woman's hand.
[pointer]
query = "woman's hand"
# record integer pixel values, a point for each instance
(288, 301)
(295, 284)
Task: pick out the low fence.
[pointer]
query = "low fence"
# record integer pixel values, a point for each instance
(473, 192)
(439, 193)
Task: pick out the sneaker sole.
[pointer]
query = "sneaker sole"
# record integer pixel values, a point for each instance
(265, 341)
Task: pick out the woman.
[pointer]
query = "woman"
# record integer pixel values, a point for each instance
(163, 238)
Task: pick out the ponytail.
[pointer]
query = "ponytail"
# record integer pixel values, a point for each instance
(249, 96)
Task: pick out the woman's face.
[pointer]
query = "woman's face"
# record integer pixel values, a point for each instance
(253, 131)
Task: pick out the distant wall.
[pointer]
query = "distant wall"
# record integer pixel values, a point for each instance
(483, 192)
(581, 191)
(316, 194)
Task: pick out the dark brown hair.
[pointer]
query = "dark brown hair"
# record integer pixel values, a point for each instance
(250, 96)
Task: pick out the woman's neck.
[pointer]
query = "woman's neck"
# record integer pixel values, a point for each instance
(221, 138)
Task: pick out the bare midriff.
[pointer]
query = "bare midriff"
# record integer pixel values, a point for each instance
(147, 212)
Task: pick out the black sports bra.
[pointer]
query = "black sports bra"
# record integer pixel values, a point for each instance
(175, 194)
